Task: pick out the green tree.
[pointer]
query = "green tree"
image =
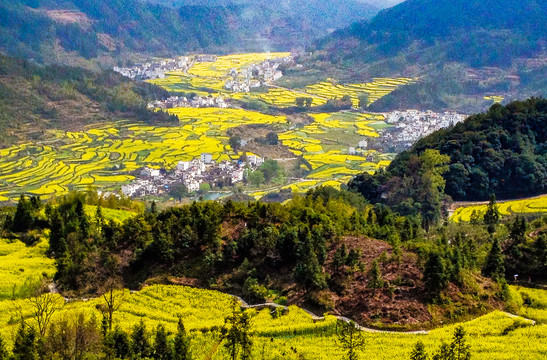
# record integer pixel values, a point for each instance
(256, 178)
(235, 143)
(237, 333)
(492, 215)
(272, 138)
(363, 100)
(23, 219)
(181, 343)
(494, 266)
(459, 349)
(179, 191)
(270, 169)
(140, 346)
(419, 353)
(435, 276)
(204, 188)
(351, 339)
(121, 343)
(375, 277)
(24, 346)
(162, 347)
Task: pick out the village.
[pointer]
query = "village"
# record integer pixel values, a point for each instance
(256, 75)
(191, 101)
(192, 174)
(408, 126)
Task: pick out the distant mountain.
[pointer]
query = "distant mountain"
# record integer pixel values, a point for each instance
(73, 31)
(474, 32)
(460, 49)
(319, 14)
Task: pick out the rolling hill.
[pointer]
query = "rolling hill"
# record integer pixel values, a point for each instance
(462, 50)
(35, 98)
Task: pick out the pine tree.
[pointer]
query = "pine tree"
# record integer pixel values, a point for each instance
(435, 277)
(122, 344)
(492, 215)
(139, 341)
(375, 277)
(494, 266)
(350, 339)
(443, 353)
(23, 220)
(419, 353)
(459, 350)
(237, 333)
(24, 346)
(181, 344)
(162, 348)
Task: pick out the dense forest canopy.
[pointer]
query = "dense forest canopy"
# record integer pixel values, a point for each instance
(502, 152)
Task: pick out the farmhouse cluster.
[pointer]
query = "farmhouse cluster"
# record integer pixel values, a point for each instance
(192, 174)
(411, 125)
(255, 76)
(192, 102)
(157, 69)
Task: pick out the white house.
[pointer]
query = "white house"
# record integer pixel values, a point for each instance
(206, 158)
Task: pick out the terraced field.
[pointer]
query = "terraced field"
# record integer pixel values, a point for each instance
(536, 205)
(294, 334)
(107, 156)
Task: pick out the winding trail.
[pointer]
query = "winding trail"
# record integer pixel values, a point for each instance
(53, 288)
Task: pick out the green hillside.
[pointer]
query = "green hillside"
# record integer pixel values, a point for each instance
(34, 98)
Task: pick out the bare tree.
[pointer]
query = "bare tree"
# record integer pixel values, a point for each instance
(113, 297)
(44, 305)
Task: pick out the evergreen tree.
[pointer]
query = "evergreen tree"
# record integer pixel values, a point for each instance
(237, 333)
(375, 277)
(122, 344)
(517, 230)
(57, 242)
(443, 353)
(494, 266)
(140, 345)
(350, 339)
(24, 346)
(162, 347)
(23, 220)
(181, 344)
(459, 349)
(435, 277)
(492, 215)
(419, 353)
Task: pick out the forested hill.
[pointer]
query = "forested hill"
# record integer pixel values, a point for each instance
(477, 33)
(109, 30)
(35, 98)
(501, 152)
(460, 50)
